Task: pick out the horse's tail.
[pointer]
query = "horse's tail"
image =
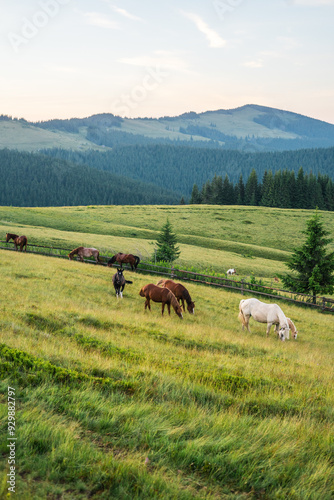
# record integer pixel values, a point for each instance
(241, 315)
(137, 260)
(128, 282)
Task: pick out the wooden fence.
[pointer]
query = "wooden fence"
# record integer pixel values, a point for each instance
(242, 286)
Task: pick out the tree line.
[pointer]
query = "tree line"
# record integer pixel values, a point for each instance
(178, 168)
(282, 189)
(28, 179)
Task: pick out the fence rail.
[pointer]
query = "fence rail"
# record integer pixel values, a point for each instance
(243, 287)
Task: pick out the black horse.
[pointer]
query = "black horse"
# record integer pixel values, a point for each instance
(119, 282)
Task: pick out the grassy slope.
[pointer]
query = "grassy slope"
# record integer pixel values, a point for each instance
(218, 412)
(238, 123)
(251, 239)
(25, 137)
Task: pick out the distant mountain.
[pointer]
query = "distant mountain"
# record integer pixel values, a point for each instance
(28, 179)
(249, 128)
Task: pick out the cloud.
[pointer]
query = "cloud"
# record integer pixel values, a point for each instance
(254, 64)
(315, 3)
(215, 40)
(160, 58)
(97, 19)
(125, 13)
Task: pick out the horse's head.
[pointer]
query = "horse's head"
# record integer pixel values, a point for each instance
(119, 274)
(70, 256)
(284, 332)
(191, 307)
(7, 237)
(281, 334)
(141, 293)
(178, 310)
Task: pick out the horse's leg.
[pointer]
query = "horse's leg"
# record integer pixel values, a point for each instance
(182, 300)
(122, 288)
(269, 325)
(163, 308)
(147, 303)
(168, 305)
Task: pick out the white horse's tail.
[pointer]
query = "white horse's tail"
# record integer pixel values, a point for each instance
(241, 316)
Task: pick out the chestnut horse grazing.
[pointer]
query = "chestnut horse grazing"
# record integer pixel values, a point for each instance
(82, 252)
(125, 258)
(19, 241)
(180, 292)
(271, 314)
(158, 294)
(292, 327)
(119, 282)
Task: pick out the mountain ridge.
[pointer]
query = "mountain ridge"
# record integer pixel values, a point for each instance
(250, 128)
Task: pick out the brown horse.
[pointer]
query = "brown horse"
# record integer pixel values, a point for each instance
(82, 252)
(157, 294)
(125, 258)
(19, 241)
(180, 292)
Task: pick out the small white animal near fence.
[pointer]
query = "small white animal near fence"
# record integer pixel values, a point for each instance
(271, 314)
(229, 272)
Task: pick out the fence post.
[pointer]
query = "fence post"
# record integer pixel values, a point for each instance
(242, 287)
(323, 307)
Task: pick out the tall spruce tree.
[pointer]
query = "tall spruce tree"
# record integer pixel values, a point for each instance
(312, 267)
(167, 250)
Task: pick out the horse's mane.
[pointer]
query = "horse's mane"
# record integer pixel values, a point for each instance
(171, 297)
(186, 296)
(76, 250)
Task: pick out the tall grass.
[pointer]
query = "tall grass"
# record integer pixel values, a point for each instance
(116, 402)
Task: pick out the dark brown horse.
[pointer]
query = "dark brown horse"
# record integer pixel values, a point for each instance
(180, 292)
(163, 295)
(82, 252)
(125, 258)
(19, 241)
(119, 282)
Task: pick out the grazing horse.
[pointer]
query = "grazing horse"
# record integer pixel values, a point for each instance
(19, 241)
(85, 252)
(180, 292)
(229, 272)
(163, 295)
(292, 327)
(119, 282)
(125, 258)
(271, 314)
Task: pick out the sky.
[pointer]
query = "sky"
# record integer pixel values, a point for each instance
(76, 58)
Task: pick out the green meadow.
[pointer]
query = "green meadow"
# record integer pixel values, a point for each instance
(115, 402)
(254, 240)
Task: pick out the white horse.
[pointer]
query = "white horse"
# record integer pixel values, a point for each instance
(271, 314)
(231, 271)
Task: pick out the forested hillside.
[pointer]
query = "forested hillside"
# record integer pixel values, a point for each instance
(28, 179)
(179, 168)
(282, 190)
